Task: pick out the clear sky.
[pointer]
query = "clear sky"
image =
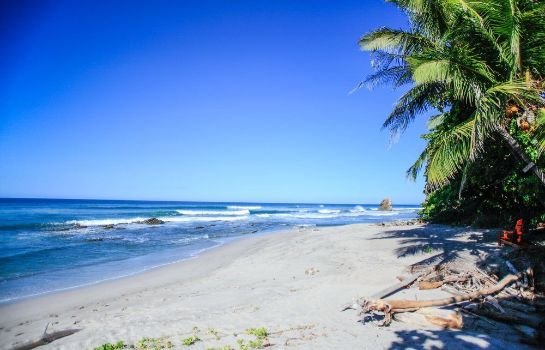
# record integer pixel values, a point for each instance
(198, 100)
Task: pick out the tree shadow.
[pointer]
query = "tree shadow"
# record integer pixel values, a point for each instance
(449, 339)
(444, 243)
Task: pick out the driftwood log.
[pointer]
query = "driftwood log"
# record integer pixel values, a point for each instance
(437, 317)
(390, 307)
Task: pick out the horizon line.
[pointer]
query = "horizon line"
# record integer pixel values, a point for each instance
(193, 201)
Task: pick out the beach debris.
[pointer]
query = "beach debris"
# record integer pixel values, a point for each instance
(385, 204)
(406, 281)
(46, 338)
(311, 271)
(478, 294)
(411, 222)
(438, 317)
(390, 307)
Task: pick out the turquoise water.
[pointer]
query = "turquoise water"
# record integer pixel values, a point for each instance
(48, 245)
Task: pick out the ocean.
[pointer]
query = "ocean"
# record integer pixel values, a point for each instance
(49, 245)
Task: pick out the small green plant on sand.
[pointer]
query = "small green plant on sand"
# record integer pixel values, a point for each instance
(190, 340)
(260, 334)
(109, 346)
(154, 344)
(214, 332)
(428, 250)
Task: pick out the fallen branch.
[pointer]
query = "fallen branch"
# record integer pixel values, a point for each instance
(437, 317)
(396, 287)
(436, 284)
(46, 338)
(389, 307)
(388, 291)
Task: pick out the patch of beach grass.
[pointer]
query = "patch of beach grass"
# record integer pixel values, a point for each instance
(112, 346)
(190, 340)
(154, 344)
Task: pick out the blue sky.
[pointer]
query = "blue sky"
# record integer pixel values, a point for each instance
(198, 100)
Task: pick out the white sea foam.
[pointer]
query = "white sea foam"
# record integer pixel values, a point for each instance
(247, 207)
(214, 212)
(103, 222)
(326, 214)
(202, 218)
(190, 239)
(329, 211)
(357, 209)
(376, 213)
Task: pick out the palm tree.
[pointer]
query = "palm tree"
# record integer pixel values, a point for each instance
(479, 64)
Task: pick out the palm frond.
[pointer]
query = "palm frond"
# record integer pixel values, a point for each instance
(448, 152)
(414, 102)
(394, 41)
(397, 76)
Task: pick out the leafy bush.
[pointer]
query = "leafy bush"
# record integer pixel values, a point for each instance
(495, 193)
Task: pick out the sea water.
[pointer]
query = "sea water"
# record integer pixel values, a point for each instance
(48, 245)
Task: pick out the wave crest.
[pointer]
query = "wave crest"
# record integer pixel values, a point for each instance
(214, 212)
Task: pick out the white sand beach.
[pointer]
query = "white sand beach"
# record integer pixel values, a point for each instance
(292, 283)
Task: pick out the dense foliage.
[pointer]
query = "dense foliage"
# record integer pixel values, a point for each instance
(495, 193)
(480, 68)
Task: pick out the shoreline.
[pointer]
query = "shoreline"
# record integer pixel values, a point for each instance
(194, 255)
(292, 283)
(222, 253)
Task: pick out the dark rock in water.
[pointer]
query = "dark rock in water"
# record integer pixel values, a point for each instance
(385, 204)
(199, 227)
(108, 227)
(153, 221)
(78, 226)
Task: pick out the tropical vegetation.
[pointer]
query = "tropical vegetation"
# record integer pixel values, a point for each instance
(476, 70)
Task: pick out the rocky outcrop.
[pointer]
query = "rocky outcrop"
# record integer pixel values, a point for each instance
(385, 204)
(152, 221)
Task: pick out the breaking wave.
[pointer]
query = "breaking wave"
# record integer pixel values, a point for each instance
(214, 212)
(244, 207)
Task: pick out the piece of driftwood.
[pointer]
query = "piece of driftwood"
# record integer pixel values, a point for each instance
(396, 287)
(387, 291)
(436, 317)
(390, 307)
(436, 284)
(450, 290)
(494, 303)
(423, 285)
(46, 338)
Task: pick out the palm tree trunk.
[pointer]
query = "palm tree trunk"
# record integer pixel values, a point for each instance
(519, 152)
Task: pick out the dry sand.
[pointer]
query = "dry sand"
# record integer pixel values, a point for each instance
(292, 283)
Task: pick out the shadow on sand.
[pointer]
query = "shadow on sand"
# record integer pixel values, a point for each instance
(442, 244)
